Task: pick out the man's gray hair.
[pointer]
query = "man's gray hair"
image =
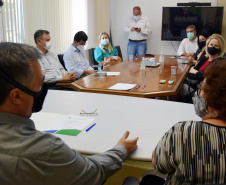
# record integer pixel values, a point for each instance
(15, 62)
(191, 26)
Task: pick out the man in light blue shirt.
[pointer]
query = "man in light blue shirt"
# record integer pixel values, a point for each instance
(75, 59)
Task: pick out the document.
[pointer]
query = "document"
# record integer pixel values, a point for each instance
(60, 124)
(113, 73)
(123, 86)
(71, 122)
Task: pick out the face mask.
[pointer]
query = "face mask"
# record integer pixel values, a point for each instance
(190, 35)
(39, 97)
(213, 50)
(39, 100)
(201, 44)
(105, 41)
(200, 105)
(80, 47)
(136, 17)
(48, 45)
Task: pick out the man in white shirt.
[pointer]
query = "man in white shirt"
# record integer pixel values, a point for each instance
(50, 64)
(189, 45)
(139, 29)
(75, 59)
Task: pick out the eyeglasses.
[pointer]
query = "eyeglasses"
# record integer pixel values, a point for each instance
(84, 113)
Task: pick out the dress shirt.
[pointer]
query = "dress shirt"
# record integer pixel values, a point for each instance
(51, 67)
(28, 156)
(142, 23)
(75, 61)
(186, 46)
(99, 55)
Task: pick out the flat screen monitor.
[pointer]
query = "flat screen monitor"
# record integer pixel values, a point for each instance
(176, 19)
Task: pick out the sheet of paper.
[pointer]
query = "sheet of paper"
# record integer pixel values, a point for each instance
(122, 86)
(113, 73)
(71, 122)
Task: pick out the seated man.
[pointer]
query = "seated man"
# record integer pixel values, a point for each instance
(50, 64)
(75, 59)
(189, 45)
(28, 156)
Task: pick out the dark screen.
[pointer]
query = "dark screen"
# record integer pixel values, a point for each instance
(175, 20)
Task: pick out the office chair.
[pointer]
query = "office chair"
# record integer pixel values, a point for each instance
(119, 51)
(60, 57)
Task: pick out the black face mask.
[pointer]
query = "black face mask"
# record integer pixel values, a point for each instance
(39, 97)
(201, 44)
(39, 100)
(213, 50)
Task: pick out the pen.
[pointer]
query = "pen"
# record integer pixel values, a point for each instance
(137, 86)
(90, 127)
(144, 86)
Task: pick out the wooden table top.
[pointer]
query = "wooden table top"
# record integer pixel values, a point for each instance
(130, 73)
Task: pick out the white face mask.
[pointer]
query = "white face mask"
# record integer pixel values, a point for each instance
(80, 47)
(48, 45)
(136, 17)
(105, 41)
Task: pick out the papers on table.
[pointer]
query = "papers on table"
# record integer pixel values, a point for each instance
(123, 86)
(113, 73)
(71, 122)
(179, 57)
(61, 124)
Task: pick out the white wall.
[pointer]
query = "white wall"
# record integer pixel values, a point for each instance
(122, 9)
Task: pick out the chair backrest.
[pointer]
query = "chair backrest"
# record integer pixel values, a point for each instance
(119, 51)
(93, 61)
(60, 57)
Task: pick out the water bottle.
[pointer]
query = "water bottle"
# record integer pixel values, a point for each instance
(143, 64)
(161, 58)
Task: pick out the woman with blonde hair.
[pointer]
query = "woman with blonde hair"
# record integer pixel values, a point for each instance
(215, 46)
(105, 53)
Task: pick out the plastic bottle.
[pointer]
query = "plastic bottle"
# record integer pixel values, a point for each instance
(161, 58)
(143, 64)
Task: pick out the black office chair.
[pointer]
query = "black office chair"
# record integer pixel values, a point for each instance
(119, 51)
(60, 57)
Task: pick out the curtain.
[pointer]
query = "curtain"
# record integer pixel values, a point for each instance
(12, 21)
(63, 18)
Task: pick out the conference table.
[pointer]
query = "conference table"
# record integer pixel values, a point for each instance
(148, 119)
(130, 73)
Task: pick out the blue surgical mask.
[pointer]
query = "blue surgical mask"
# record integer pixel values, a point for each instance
(105, 41)
(190, 35)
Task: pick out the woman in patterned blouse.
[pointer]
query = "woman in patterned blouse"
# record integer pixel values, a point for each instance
(194, 152)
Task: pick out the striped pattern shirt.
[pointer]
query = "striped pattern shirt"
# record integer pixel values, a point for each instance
(192, 152)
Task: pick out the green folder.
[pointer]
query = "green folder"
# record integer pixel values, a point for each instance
(69, 132)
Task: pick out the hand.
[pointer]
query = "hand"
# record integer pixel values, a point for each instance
(88, 72)
(193, 71)
(133, 29)
(67, 77)
(130, 145)
(191, 59)
(138, 30)
(117, 58)
(73, 76)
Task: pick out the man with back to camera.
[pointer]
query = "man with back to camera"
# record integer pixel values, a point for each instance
(75, 59)
(50, 64)
(139, 29)
(189, 45)
(28, 156)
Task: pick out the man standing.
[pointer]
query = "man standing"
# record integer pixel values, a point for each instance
(50, 64)
(189, 45)
(28, 156)
(139, 29)
(75, 59)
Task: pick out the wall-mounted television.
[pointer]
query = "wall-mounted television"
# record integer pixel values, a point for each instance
(176, 19)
